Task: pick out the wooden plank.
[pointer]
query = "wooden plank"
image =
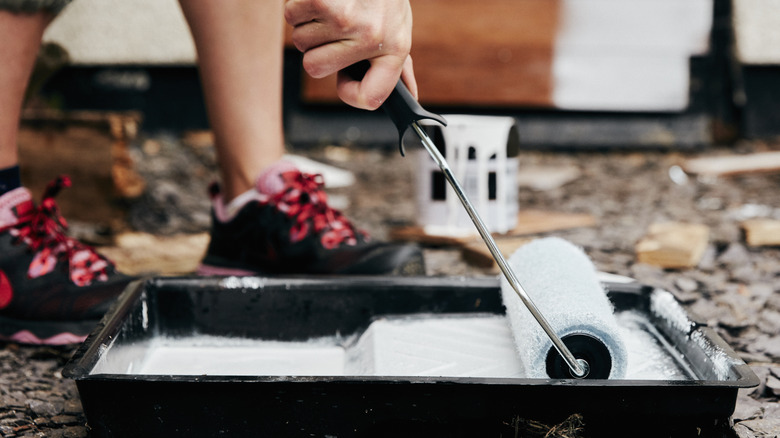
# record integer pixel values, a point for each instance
(477, 253)
(673, 245)
(540, 221)
(415, 233)
(143, 254)
(529, 222)
(762, 162)
(552, 53)
(762, 232)
(465, 55)
(90, 147)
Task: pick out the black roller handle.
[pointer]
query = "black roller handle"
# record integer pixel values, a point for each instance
(402, 108)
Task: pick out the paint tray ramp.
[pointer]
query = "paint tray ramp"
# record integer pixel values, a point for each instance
(380, 356)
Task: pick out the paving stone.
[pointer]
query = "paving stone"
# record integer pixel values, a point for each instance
(765, 427)
(772, 410)
(773, 385)
(44, 408)
(65, 419)
(747, 407)
(72, 406)
(55, 433)
(735, 255)
(686, 284)
(75, 432)
(769, 321)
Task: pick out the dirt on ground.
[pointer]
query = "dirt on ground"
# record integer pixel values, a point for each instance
(734, 286)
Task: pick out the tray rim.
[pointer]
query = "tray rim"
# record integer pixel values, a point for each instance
(103, 335)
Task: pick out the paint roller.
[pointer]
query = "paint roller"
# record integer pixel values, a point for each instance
(594, 357)
(563, 284)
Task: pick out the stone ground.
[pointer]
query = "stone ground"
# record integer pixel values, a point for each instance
(735, 286)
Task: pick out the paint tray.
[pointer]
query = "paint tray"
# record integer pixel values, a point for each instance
(381, 356)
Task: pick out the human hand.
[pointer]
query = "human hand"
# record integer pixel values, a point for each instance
(334, 34)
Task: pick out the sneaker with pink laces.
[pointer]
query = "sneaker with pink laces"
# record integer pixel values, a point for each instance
(294, 231)
(53, 289)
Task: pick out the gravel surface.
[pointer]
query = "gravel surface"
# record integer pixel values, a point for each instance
(735, 287)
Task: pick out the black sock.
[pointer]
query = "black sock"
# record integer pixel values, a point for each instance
(9, 179)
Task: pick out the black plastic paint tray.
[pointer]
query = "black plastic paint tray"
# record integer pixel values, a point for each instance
(332, 336)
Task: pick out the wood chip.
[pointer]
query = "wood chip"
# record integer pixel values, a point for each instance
(477, 253)
(538, 221)
(673, 245)
(547, 177)
(528, 222)
(734, 164)
(762, 232)
(416, 233)
(90, 146)
(138, 253)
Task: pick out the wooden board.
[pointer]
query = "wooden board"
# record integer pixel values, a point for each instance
(673, 245)
(477, 253)
(762, 232)
(609, 55)
(540, 221)
(529, 222)
(90, 147)
(761, 162)
(146, 254)
(468, 52)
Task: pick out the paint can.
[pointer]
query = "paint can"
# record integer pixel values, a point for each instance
(482, 152)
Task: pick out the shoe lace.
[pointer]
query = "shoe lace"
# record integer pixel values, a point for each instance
(43, 229)
(304, 201)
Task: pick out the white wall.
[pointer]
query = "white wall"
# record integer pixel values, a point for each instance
(628, 55)
(757, 31)
(121, 32)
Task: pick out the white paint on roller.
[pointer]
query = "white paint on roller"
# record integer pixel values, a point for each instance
(563, 284)
(628, 55)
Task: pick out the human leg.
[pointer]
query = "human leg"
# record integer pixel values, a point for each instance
(239, 46)
(21, 36)
(53, 289)
(268, 218)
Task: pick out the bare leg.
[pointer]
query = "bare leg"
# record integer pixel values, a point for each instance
(21, 38)
(239, 47)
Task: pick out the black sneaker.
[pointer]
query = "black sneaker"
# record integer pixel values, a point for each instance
(296, 232)
(53, 289)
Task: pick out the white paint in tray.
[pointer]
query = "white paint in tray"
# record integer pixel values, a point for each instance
(419, 345)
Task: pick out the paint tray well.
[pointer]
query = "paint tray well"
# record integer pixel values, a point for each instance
(379, 356)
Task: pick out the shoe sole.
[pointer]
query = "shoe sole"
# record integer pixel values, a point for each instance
(413, 265)
(29, 338)
(211, 270)
(45, 332)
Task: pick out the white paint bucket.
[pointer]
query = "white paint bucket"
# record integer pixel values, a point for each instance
(482, 153)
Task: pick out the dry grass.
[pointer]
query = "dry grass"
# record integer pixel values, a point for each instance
(571, 427)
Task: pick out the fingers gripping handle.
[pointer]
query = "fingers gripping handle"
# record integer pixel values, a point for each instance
(402, 108)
